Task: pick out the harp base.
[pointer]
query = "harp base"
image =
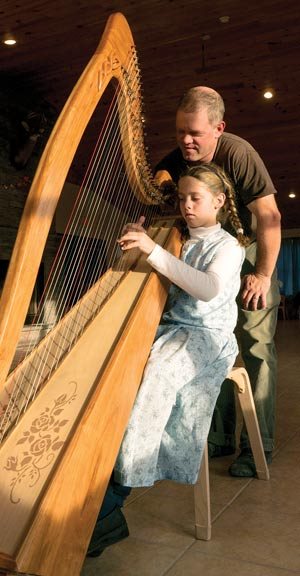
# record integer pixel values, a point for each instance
(6, 563)
(8, 566)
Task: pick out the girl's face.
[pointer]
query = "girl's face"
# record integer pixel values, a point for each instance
(198, 206)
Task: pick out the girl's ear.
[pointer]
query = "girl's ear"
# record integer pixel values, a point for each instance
(220, 200)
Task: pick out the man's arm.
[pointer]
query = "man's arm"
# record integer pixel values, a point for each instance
(268, 235)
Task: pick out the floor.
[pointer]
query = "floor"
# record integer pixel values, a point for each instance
(256, 523)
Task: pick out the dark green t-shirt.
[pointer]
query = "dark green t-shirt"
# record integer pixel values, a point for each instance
(241, 162)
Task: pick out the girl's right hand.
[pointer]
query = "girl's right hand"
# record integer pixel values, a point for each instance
(137, 239)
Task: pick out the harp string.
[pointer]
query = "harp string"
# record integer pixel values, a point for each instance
(82, 239)
(80, 213)
(33, 386)
(19, 389)
(83, 227)
(98, 177)
(95, 186)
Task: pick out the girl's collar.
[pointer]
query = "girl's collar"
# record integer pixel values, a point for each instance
(202, 231)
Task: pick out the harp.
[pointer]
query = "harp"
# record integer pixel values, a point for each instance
(61, 436)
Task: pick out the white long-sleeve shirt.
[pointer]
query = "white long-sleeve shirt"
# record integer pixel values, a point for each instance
(201, 285)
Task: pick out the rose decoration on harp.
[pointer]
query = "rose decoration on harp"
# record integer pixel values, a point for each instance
(41, 442)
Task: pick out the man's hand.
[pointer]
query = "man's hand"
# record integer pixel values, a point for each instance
(254, 291)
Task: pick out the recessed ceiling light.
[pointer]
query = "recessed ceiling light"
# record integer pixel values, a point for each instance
(224, 19)
(9, 39)
(292, 195)
(268, 94)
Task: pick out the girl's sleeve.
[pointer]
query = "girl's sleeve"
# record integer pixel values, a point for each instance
(201, 285)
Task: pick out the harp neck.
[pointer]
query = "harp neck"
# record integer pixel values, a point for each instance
(110, 62)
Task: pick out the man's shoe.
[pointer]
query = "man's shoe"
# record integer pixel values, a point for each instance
(244, 465)
(215, 451)
(110, 530)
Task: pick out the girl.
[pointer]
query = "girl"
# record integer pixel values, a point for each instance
(194, 348)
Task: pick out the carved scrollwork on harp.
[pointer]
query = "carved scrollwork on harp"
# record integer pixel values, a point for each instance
(111, 64)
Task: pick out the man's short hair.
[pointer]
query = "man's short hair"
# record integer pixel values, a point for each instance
(200, 97)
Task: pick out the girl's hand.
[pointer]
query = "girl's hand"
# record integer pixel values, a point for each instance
(134, 226)
(137, 239)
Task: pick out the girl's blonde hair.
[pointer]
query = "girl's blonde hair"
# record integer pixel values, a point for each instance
(218, 181)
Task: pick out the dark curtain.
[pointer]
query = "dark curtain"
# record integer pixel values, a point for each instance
(288, 266)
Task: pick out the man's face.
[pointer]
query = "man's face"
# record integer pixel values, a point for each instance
(196, 137)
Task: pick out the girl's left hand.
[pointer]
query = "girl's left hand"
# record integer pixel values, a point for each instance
(137, 239)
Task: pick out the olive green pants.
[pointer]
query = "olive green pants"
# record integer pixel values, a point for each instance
(255, 333)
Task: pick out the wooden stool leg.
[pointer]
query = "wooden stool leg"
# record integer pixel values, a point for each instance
(202, 501)
(241, 379)
(201, 489)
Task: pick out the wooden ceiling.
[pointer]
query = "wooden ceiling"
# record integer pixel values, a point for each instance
(180, 43)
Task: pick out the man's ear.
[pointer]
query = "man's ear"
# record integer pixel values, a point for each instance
(219, 129)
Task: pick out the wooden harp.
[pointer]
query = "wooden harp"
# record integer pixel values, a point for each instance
(57, 457)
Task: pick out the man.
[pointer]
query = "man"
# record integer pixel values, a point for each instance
(201, 138)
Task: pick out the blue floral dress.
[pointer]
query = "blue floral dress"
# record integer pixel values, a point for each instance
(193, 352)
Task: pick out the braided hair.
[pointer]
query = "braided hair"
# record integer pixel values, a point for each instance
(218, 181)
